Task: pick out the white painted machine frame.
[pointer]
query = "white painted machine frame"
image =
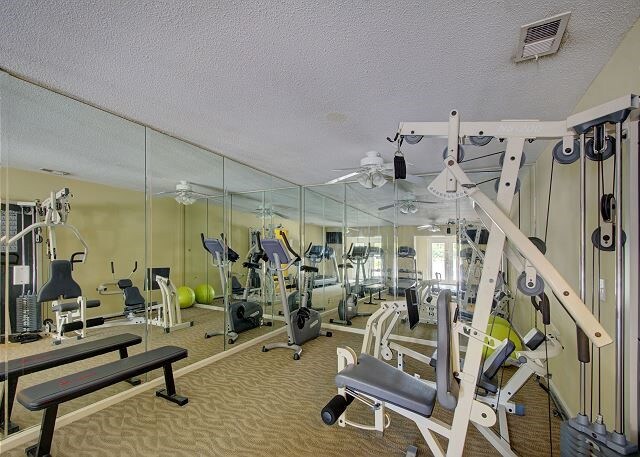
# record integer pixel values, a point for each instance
(168, 314)
(453, 183)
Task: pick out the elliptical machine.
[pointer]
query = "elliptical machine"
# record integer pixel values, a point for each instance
(348, 306)
(240, 315)
(303, 324)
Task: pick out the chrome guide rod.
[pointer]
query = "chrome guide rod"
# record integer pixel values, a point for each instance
(619, 278)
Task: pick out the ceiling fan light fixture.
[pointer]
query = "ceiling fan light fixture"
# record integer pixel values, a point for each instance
(185, 199)
(413, 209)
(366, 180)
(378, 179)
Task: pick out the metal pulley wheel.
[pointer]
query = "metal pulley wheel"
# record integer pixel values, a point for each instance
(412, 139)
(460, 158)
(530, 289)
(566, 156)
(480, 140)
(606, 242)
(609, 149)
(539, 244)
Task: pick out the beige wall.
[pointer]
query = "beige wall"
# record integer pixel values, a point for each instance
(620, 76)
(112, 223)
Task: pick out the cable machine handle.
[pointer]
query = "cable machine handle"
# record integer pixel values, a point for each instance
(113, 269)
(308, 249)
(135, 267)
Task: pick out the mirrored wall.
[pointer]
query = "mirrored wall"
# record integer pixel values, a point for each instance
(164, 240)
(129, 218)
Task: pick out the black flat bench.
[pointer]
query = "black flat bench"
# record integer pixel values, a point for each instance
(11, 370)
(50, 394)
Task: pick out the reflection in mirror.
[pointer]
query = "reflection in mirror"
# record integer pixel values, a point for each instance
(184, 202)
(94, 235)
(323, 240)
(260, 207)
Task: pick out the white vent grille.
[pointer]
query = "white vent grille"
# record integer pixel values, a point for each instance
(541, 38)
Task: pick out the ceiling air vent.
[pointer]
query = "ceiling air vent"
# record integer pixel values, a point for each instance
(541, 38)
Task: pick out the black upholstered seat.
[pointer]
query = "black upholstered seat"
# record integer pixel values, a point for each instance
(378, 379)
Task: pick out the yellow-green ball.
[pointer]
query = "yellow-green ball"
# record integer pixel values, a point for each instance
(186, 297)
(500, 329)
(204, 294)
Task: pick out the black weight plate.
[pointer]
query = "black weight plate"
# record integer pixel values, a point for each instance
(523, 287)
(563, 157)
(538, 243)
(523, 158)
(497, 185)
(460, 158)
(609, 149)
(480, 140)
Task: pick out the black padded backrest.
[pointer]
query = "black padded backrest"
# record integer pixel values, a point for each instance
(446, 384)
(497, 358)
(406, 251)
(60, 283)
(133, 297)
(124, 283)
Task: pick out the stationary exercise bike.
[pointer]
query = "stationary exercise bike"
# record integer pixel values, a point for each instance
(303, 324)
(241, 315)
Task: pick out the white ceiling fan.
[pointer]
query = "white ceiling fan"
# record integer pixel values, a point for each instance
(184, 193)
(429, 228)
(372, 172)
(269, 211)
(409, 204)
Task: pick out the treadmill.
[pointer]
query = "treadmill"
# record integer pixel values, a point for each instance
(316, 254)
(407, 278)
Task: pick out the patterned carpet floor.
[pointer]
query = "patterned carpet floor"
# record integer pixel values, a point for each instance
(266, 404)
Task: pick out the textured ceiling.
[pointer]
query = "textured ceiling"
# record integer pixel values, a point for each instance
(297, 88)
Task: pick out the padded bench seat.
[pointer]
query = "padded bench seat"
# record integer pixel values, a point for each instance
(11, 370)
(50, 394)
(378, 379)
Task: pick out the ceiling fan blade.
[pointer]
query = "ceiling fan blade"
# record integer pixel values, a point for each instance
(342, 178)
(382, 208)
(280, 215)
(345, 169)
(167, 192)
(205, 186)
(422, 201)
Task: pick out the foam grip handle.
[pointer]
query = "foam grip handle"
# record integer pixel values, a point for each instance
(94, 322)
(335, 408)
(545, 309)
(583, 346)
(70, 327)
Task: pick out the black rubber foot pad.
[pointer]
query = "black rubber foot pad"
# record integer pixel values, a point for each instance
(134, 381)
(11, 429)
(33, 452)
(177, 399)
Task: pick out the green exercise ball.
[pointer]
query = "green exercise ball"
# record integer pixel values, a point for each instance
(500, 329)
(186, 297)
(204, 294)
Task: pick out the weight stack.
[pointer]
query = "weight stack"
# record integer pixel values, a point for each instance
(28, 314)
(591, 440)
